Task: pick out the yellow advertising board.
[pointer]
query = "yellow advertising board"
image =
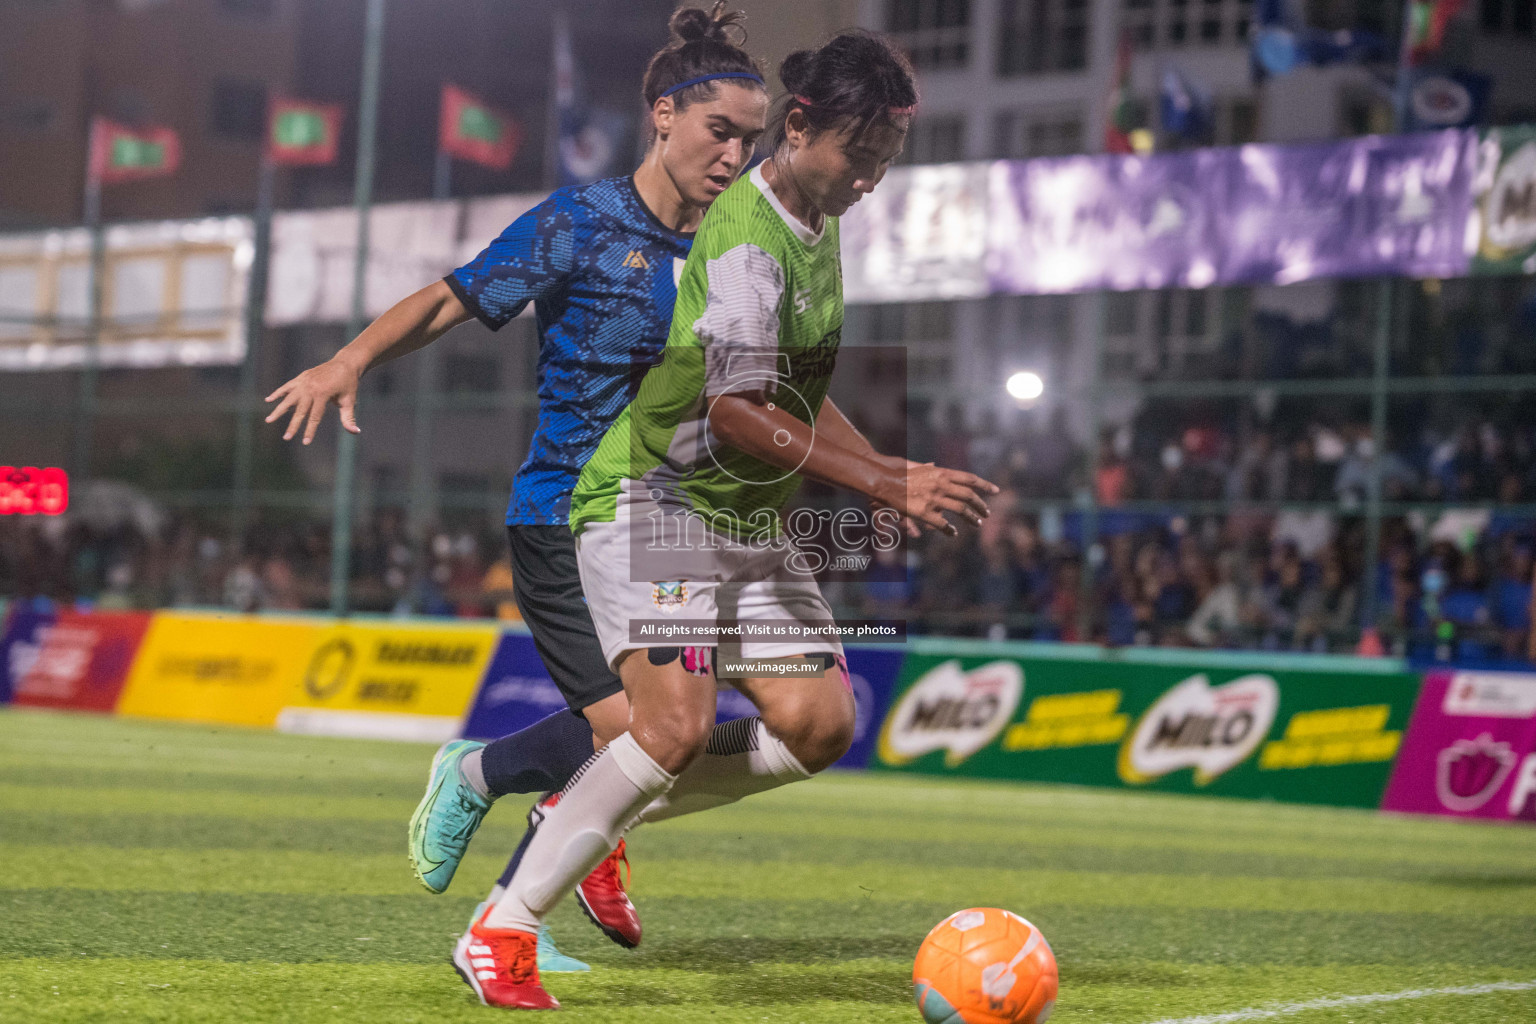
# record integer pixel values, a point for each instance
(399, 680)
(386, 679)
(217, 668)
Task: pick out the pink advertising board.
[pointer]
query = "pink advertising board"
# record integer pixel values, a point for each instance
(1470, 750)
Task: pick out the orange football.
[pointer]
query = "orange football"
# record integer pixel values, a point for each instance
(985, 966)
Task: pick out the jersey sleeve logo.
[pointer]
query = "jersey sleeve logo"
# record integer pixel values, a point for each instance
(636, 260)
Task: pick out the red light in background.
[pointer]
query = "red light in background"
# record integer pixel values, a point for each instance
(29, 491)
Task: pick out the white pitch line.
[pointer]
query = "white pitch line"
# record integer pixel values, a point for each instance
(1286, 1009)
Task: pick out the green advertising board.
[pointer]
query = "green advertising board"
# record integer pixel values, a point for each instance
(1505, 195)
(1281, 727)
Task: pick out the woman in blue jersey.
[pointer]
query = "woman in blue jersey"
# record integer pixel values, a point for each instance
(599, 262)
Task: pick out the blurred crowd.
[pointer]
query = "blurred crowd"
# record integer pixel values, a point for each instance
(1208, 537)
(189, 562)
(1168, 455)
(1260, 539)
(1276, 582)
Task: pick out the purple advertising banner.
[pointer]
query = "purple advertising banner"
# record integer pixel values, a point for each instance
(1065, 225)
(1258, 214)
(921, 235)
(517, 692)
(1395, 204)
(1470, 750)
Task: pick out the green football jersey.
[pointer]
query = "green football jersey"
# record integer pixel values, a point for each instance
(759, 307)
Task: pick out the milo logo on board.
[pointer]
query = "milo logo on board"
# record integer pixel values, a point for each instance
(1195, 725)
(951, 710)
(1510, 211)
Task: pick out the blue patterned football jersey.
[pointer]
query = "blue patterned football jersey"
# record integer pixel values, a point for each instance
(601, 271)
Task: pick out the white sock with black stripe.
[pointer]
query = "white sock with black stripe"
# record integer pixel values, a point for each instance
(742, 758)
(594, 811)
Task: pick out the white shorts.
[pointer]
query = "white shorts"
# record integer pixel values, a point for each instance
(733, 583)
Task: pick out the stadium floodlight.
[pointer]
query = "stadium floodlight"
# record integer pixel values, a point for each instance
(1026, 386)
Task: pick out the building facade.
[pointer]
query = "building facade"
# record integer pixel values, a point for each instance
(1015, 79)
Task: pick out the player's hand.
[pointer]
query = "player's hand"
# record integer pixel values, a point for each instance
(907, 523)
(933, 490)
(307, 395)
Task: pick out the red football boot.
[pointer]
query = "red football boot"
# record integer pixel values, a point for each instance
(603, 899)
(502, 966)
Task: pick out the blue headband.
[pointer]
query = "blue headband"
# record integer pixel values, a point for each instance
(710, 78)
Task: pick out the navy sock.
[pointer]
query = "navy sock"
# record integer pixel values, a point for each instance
(517, 858)
(538, 759)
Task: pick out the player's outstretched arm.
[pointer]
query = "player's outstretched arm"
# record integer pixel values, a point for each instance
(833, 426)
(412, 323)
(749, 421)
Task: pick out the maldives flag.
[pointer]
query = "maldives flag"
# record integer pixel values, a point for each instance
(128, 154)
(1120, 119)
(1427, 22)
(474, 131)
(302, 134)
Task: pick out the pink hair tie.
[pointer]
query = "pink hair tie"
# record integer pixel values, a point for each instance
(805, 101)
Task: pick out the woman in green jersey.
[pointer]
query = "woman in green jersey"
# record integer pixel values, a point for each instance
(676, 516)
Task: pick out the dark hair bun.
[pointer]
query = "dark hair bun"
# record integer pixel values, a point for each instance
(695, 24)
(795, 72)
(857, 79)
(704, 42)
(690, 24)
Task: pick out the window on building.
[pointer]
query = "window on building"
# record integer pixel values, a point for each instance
(1046, 316)
(1122, 338)
(1210, 21)
(1042, 36)
(1242, 123)
(1234, 309)
(1020, 135)
(930, 321)
(911, 321)
(1163, 318)
(925, 329)
(885, 322)
(1139, 20)
(239, 109)
(1195, 310)
(1120, 313)
(935, 33)
(1181, 336)
(1523, 19)
(1178, 23)
(1363, 112)
(1379, 16)
(935, 140)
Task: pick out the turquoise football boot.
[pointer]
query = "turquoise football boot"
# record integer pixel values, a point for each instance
(551, 960)
(446, 818)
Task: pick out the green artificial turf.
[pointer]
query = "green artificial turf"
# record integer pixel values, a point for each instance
(178, 873)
